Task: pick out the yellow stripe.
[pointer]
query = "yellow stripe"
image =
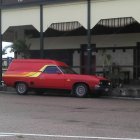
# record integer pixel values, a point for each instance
(30, 74)
(42, 69)
(35, 74)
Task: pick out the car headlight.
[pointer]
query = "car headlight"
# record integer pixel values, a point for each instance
(109, 83)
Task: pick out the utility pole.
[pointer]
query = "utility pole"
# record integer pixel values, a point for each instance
(89, 36)
(0, 43)
(41, 32)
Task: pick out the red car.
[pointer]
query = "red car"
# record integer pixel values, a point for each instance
(42, 74)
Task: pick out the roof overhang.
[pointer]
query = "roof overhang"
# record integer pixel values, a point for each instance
(104, 26)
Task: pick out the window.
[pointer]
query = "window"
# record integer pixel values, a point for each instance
(67, 70)
(52, 70)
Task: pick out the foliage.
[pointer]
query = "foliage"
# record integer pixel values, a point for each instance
(111, 70)
(106, 61)
(21, 47)
(3, 52)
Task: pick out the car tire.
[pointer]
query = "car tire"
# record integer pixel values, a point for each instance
(21, 88)
(81, 90)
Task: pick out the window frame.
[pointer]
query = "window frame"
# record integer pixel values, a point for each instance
(58, 71)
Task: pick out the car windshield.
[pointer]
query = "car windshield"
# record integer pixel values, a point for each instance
(67, 70)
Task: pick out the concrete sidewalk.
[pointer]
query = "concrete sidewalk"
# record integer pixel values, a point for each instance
(132, 91)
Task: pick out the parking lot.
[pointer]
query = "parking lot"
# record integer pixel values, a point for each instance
(34, 117)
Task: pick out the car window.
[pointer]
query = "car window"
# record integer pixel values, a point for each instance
(51, 70)
(67, 70)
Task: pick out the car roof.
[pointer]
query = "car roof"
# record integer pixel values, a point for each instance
(32, 64)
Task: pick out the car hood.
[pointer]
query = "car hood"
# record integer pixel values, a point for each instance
(86, 77)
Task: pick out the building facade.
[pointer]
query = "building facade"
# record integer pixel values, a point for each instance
(64, 30)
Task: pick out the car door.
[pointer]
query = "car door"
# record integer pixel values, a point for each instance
(52, 77)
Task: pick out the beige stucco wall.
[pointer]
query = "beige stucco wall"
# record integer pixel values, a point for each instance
(115, 40)
(20, 16)
(69, 12)
(76, 11)
(105, 9)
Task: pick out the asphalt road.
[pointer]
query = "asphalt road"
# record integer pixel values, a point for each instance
(33, 117)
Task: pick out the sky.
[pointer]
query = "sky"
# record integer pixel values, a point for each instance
(9, 54)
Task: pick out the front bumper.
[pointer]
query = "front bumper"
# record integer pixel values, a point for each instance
(103, 88)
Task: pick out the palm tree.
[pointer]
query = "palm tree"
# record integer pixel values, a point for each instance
(21, 47)
(3, 52)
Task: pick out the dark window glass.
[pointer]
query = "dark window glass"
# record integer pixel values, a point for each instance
(67, 70)
(52, 70)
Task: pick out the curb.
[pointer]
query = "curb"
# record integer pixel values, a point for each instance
(132, 92)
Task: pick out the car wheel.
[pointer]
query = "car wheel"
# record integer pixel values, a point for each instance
(81, 90)
(21, 88)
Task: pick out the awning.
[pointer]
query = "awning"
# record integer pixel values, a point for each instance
(116, 26)
(104, 26)
(65, 26)
(117, 22)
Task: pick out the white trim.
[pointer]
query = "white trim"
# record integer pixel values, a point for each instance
(68, 136)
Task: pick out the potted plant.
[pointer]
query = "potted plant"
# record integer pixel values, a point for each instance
(106, 63)
(112, 71)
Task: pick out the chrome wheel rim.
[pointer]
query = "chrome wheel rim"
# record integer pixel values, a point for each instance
(21, 88)
(81, 90)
